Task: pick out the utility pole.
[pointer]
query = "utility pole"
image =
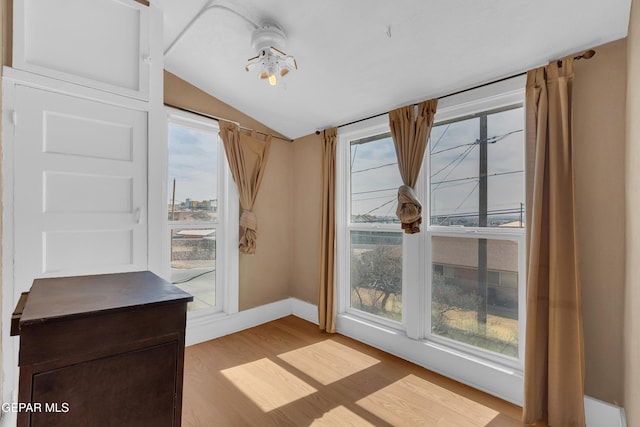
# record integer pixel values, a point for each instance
(482, 222)
(173, 201)
(521, 214)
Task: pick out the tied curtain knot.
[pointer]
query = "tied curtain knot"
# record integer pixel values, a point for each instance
(248, 232)
(409, 210)
(410, 128)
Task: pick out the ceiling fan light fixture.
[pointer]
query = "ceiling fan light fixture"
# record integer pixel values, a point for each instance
(268, 40)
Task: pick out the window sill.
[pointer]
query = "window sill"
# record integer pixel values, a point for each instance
(500, 381)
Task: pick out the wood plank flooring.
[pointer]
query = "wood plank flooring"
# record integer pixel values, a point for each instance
(288, 373)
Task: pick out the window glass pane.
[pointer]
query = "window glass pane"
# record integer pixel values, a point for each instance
(193, 264)
(376, 273)
(505, 168)
(192, 173)
(375, 179)
(477, 170)
(469, 302)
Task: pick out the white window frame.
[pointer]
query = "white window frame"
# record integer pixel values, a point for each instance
(377, 126)
(226, 226)
(412, 338)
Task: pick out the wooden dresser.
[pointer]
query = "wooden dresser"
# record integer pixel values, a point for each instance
(104, 350)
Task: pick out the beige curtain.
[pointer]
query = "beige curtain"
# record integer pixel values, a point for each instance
(410, 136)
(326, 308)
(247, 156)
(554, 359)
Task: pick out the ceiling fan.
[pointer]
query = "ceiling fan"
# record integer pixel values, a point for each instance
(268, 40)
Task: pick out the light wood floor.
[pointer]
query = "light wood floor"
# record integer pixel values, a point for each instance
(288, 373)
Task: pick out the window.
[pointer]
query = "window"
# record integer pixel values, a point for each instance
(457, 286)
(197, 208)
(476, 181)
(376, 243)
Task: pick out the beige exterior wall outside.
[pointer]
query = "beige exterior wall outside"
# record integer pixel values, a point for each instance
(632, 283)
(264, 277)
(599, 120)
(502, 255)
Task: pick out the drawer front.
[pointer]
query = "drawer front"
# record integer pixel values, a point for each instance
(71, 341)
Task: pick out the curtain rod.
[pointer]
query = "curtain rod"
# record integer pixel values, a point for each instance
(585, 55)
(209, 116)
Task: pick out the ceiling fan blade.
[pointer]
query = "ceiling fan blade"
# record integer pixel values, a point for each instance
(252, 63)
(277, 51)
(250, 67)
(290, 61)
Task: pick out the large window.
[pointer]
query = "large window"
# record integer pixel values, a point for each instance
(476, 182)
(458, 285)
(196, 205)
(375, 242)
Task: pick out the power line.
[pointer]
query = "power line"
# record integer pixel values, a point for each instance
(370, 198)
(441, 136)
(382, 205)
(476, 142)
(374, 167)
(490, 140)
(375, 191)
(353, 159)
(462, 203)
(465, 153)
(474, 177)
(459, 184)
(459, 160)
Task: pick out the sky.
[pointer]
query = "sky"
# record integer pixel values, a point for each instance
(193, 162)
(453, 168)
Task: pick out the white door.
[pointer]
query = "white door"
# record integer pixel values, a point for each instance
(80, 189)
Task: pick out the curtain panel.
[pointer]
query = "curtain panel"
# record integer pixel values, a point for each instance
(410, 137)
(326, 297)
(247, 156)
(554, 359)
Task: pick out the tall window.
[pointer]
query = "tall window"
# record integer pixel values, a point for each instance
(195, 209)
(476, 171)
(374, 237)
(458, 286)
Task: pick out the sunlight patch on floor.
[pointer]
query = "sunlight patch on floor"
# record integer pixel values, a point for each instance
(340, 417)
(328, 361)
(425, 404)
(268, 385)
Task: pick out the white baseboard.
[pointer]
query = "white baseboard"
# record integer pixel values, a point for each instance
(205, 328)
(304, 310)
(208, 327)
(603, 414)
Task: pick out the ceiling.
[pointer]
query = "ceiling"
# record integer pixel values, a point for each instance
(359, 58)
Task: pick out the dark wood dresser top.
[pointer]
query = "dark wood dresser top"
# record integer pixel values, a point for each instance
(56, 298)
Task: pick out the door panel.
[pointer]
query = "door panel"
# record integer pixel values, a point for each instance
(102, 44)
(80, 187)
